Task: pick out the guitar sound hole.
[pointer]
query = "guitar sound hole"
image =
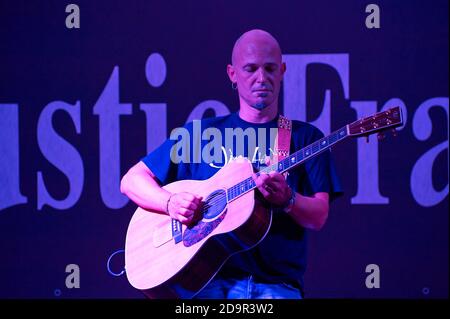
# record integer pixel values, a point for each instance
(214, 204)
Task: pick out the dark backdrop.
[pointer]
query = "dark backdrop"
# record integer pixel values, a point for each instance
(79, 106)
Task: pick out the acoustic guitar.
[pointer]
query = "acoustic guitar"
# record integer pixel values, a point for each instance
(166, 259)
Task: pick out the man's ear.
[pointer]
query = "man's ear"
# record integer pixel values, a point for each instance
(283, 68)
(231, 73)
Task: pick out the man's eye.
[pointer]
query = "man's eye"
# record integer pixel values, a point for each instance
(250, 69)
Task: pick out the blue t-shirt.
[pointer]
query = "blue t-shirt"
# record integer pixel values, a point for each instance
(200, 148)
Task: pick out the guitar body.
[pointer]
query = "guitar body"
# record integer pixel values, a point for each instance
(163, 268)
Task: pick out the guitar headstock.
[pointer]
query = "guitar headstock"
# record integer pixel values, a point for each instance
(378, 122)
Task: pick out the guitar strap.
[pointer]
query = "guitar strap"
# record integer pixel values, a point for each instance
(283, 140)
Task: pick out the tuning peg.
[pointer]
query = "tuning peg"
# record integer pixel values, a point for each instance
(381, 136)
(394, 132)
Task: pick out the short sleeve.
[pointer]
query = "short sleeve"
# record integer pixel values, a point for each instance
(158, 161)
(166, 168)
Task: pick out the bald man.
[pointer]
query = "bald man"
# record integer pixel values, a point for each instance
(275, 267)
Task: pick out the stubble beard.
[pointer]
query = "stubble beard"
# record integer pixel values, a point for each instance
(260, 105)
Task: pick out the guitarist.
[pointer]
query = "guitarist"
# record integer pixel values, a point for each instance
(275, 267)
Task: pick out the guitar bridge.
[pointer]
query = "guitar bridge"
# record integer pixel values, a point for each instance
(177, 231)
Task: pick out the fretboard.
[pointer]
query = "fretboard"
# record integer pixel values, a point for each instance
(289, 162)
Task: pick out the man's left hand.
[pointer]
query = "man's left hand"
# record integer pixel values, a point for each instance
(273, 187)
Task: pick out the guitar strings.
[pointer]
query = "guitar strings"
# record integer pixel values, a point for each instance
(216, 199)
(268, 169)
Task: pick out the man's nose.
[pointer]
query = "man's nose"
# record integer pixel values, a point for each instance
(261, 75)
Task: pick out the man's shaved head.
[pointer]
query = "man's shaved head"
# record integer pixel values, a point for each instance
(256, 70)
(254, 37)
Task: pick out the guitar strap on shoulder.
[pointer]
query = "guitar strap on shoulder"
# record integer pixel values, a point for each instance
(283, 140)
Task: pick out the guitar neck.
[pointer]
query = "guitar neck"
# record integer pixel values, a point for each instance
(290, 162)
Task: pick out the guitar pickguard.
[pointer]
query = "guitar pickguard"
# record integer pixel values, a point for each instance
(214, 211)
(202, 229)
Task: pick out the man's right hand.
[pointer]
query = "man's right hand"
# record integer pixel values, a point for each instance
(185, 207)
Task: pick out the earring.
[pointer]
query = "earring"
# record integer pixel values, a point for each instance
(234, 85)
